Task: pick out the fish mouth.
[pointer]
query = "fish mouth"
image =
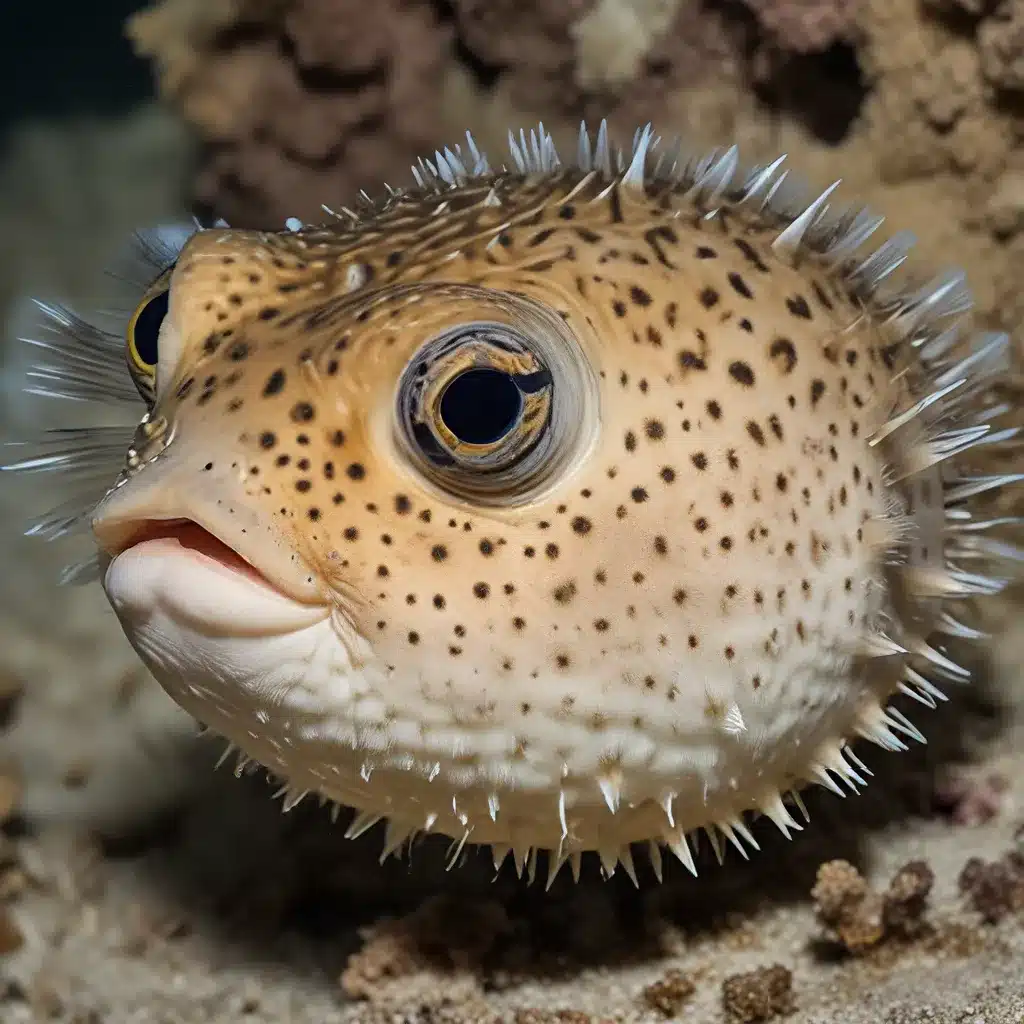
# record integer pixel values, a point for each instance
(189, 535)
(180, 568)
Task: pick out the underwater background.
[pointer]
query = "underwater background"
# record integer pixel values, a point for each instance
(137, 884)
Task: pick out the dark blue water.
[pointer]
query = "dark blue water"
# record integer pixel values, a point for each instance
(67, 57)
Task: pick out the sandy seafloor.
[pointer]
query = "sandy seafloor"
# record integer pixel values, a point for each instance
(137, 885)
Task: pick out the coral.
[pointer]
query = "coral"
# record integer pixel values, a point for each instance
(906, 899)
(620, 59)
(758, 995)
(971, 798)
(1001, 45)
(847, 906)
(401, 959)
(807, 26)
(670, 994)
(994, 888)
(297, 102)
(860, 918)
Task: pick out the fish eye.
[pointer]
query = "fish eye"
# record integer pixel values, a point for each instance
(490, 411)
(144, 331)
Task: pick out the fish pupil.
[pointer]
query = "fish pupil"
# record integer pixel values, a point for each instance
(481, 406)
(147, 328)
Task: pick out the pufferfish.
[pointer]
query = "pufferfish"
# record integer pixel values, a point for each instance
(553, 508)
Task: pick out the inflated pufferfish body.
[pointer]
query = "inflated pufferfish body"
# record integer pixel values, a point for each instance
(552, 508)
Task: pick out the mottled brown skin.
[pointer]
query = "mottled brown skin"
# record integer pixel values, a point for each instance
(578, 660)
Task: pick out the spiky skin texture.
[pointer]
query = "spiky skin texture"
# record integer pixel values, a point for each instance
(735, 555)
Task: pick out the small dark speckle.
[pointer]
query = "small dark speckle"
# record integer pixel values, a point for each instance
(581, 525)
(797, 305)
(741, 373)
(275, 384)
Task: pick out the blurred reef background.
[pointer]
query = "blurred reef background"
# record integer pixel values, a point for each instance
(138, 886)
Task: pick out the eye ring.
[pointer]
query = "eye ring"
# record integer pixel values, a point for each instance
(144, 330)
(490, 412)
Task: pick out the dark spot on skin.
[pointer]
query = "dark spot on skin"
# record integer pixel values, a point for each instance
(817, 390)
(619, 307)
(756, 433)
(581, 525)
(714, 410)
(564, 592)
(709, 297)
(302, 412)
(438, 552)
(639, 296)
(486, 547)
(701, 524)
(355, 471)
(668, 474)
(751, 254)
(481, 590)
(630, 441)
(689, 360)
(638, 494)
(741, 373)
(654, 429)
(797, 305)
(275, 384)
(700, 460)
(551, 551)
(784, 350)
(268, 439)
(739, 285)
